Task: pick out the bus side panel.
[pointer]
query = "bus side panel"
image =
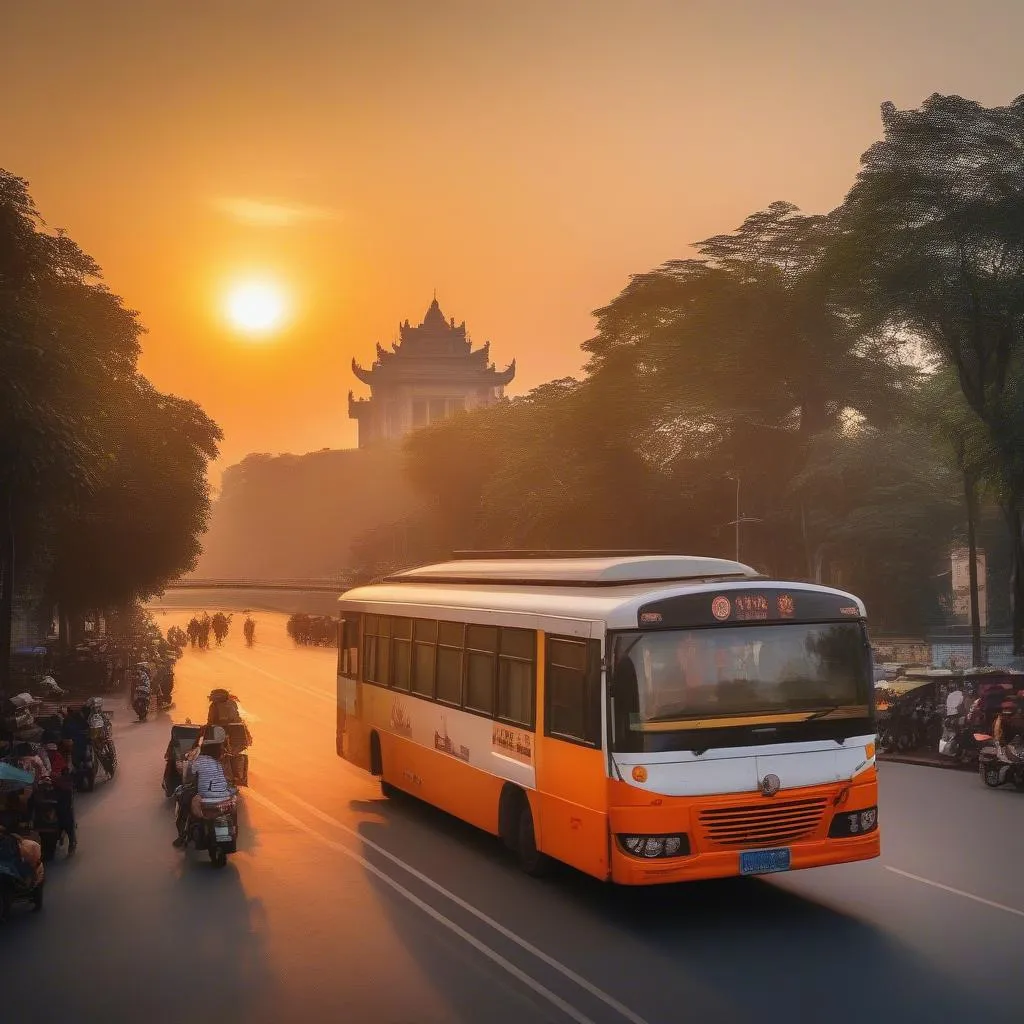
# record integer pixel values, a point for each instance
(442, 780)
(572, 794)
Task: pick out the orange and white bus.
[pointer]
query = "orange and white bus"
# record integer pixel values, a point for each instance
(644, 719)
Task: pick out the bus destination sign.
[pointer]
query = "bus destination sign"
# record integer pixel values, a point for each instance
(734, 606)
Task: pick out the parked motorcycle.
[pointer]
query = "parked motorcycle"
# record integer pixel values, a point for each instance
(1005, 766)
(99, 749)
(101, 732)
(18, 881)
(216, 831)
(961, 741)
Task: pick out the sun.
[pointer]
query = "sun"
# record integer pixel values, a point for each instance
(256, 307)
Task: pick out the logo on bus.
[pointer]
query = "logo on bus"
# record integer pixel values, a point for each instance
(721, 608)
(512, 743)
(770, 785)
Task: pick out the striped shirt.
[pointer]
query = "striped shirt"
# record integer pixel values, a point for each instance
(210, 779)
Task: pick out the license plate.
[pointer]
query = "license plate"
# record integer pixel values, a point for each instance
(764, 862)
(221, 833)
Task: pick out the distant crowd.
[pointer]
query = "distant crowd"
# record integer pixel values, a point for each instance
(313, 630)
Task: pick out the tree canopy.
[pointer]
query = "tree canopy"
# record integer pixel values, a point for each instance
(102, 478)
(830, 378)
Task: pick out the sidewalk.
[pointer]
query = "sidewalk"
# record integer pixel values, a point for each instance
(925, 759)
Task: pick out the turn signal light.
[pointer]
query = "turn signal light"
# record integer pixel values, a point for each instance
(639, 773)
(869, 751)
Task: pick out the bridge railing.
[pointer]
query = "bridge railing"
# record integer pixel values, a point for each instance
(335, 586)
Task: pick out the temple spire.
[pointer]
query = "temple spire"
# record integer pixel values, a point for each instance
(431, 373)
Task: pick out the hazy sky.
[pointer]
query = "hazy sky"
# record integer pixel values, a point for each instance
(522, 157)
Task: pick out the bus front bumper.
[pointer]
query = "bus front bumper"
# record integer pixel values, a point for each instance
(630, 870)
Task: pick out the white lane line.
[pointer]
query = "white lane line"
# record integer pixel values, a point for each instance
(491, 954)
(956, 892)
(557, 965)
(328, 698)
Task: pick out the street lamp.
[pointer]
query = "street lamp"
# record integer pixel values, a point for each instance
(735, 476)
(739, 519)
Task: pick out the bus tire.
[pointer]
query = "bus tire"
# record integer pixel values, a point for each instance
(531, 860)
(376, 760)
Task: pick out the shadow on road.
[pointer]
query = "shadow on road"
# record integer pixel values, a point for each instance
(765, 952)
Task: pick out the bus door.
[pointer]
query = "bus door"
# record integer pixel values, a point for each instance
(572, 785)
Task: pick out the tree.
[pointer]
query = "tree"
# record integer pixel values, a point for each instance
(755, 348)
(139, 527)
(68, 348)
(884, 503)
(936, 222)
(62, 337)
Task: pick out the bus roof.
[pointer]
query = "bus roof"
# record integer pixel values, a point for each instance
(463, 595)
(584, 570)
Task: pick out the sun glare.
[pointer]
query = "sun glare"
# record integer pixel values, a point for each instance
(256, 307)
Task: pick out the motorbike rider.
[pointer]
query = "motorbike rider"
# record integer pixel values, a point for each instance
(204, 780)
(223, 708)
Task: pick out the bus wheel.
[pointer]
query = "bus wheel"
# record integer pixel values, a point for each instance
(531, 860)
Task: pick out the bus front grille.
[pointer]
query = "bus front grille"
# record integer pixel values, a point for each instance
(764, 824)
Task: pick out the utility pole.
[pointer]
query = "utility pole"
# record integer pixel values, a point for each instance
(735, 476)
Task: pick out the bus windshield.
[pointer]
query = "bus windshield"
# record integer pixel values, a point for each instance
(687, 679)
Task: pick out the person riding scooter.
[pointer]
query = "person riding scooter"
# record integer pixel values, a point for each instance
(204, 781)
(224, 712)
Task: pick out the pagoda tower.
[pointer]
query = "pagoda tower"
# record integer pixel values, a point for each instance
(431, 372)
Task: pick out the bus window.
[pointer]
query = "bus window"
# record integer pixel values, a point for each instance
(572, 684)
(481, 666)
(449, 662)
(517, 676)
(424, 657)
(348, 646)
(689, 675)
(402, 653)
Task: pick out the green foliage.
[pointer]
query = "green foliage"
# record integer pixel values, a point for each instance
(102, 478)
(139, 527)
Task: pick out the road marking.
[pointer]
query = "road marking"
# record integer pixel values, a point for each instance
(557, 965)
(491, 954)
(956, 892)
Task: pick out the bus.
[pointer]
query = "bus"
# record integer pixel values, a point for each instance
(643, 718)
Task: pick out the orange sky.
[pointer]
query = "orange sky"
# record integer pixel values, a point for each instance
(523, 158)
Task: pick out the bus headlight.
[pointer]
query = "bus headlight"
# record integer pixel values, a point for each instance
(676, 844)
(853, 823)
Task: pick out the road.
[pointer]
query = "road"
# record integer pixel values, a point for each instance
(342, 905)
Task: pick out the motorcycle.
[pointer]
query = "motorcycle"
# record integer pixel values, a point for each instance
(102, 734)
(99, 749)
(999, 767)
(140, 704)
(961, 741)
(18, 881)
(216, 830)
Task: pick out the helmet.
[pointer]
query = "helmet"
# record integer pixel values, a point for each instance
(214, 736)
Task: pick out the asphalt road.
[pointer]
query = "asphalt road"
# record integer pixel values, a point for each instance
(342, 905)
